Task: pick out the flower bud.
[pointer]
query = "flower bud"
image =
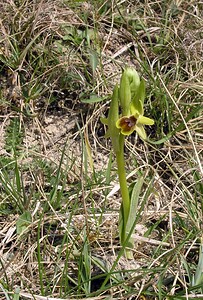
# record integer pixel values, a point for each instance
(134, 80)
(129, 86)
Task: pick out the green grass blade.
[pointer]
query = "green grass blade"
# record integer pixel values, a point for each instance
(134, 204)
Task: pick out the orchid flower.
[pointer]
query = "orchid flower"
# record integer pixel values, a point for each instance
(132, 94)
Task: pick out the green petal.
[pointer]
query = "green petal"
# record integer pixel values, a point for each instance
(134, 80)
(124, 93)
(145, 121)
(141, 131)
(138, 99)
(134, 111)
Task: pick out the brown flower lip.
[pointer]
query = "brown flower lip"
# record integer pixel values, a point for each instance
(126, 123)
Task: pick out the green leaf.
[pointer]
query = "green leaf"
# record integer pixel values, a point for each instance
(94, 61)
(104, 121)
(128, 229)
(108, 173)
(23, 222)
(113, 131)
(198, 278)
(89, 152)
(121, 223)
(134, 204)
(16, 295)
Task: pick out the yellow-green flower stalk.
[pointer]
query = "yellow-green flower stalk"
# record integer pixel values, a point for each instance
(130, 96)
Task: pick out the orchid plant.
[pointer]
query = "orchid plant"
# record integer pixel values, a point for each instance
(129, 97)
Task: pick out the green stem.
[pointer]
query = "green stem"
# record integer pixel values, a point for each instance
(123, 187)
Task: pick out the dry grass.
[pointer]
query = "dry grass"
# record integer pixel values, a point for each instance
(54, 56)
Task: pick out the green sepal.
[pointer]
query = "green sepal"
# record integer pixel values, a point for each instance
(134, 80)
(141, 92)
(135, 110)
(138, 100)
(125, 94)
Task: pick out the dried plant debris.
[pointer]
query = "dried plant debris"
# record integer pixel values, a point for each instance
(59, 192)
